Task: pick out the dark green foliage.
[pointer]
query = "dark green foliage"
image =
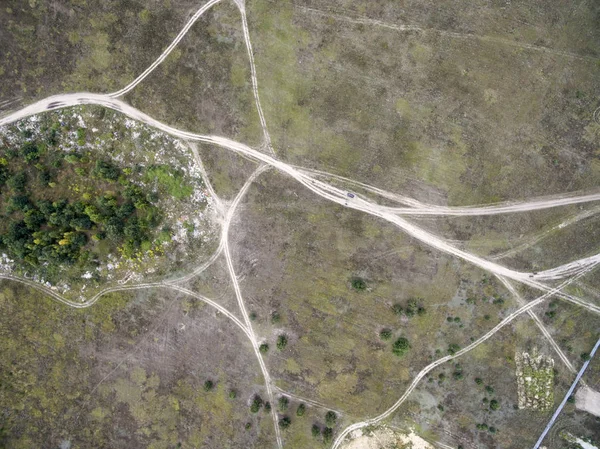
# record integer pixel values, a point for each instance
(411, 308)
(263, 348)
(248, 426)
(440, 407)
(397, 309)
(18, 182)
(571, 399)
(401, 346)
(257, 403)
(330, 418)
(385, 334)
(492, 429)
(494, 404)
(301, 410)
(283, 402)
(253, 316)
(47, 225)
(285, 422)
(489, 389)
(267, 407)
(282, 341)
(453, 348)
(106, 170)
(315, 430)
(482, 426)
(208, 385)
(275, 317)
(327, 435)
(232, 394)
(457, 319)
(585, 356)
(359, 284)
(457, 375)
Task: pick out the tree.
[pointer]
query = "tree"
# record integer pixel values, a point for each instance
(301, 410)
(358, 284)
(283, 403)
(282, 342)
(18, 182)
(106, 170)
(453, 349)
(385, 334)
(257, 403)
(401, 346)
(397, 309)
(330, 418)
(285, 422)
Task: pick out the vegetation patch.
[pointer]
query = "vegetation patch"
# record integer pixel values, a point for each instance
(81, 196)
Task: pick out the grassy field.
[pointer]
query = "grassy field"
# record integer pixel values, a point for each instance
(451, 103)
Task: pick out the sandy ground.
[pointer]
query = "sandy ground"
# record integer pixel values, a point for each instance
(588, 400)
(384, 438)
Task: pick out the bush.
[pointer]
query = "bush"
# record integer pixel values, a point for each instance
(283, 403)
(489, 389)
(478, 380)
(267, 407)
(453, 349)
(397, 309)
(315, 430)
(208, 385)
(327, 434)
(385, 334)
(458, 375)
(248, 426)
(330, 418)
(232, 394)
(494, 404)
(285, 422)
(585, 356)
(301, 410)
(359, 284)
(282, 342)
(263, 348)
(401, 346)
(275, 317)
(257, 403)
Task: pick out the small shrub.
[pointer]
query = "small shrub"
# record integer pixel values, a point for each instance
(315, 430)
(478, 380)
(264, 348)
(330, 418)
(253, 316)
(487, 317)
(489, 389)
(453, 349)
(585, 356)
(359, 284)
(285, 422)
(457, 375)
(397, 309)
(282, 342)
(208, 385)
(401, 346)
(457, 319)
(301, 410)
(449, 319)
(327, 435)
(248, 426)
(494, 404)
(571, 399)
(257, 403)
(275, 317)
(440, 407)
(283, 403)
(267, 407)
(385, 334)
(232, 394)
(492, 429)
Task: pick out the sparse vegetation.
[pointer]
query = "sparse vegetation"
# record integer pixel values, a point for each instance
(330, 418)
(257, 403)
(301, 410)
(359, 284)
(385, 334)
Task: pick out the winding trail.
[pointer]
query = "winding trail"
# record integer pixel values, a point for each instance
(394, 215)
